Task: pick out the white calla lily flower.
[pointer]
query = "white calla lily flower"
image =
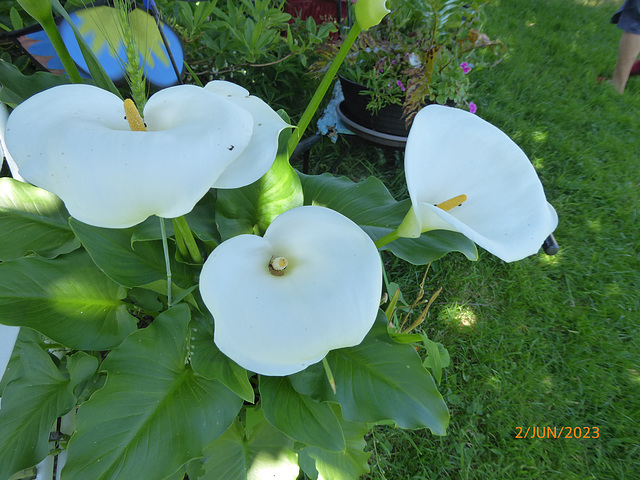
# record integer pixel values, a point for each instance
(466, 175)
(258, 157)
(281, 302)
(74, 141)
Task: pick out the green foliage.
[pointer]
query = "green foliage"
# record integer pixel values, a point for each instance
(17, 87)
(67, 299)
(253, 451)
(35, 220)
(254, 44)
(208, 361)
(413, 57)
(32, 402)
(370, 205)
(339, 466)
(129, 429)
(252, 208)
(104, 290)
(299, 416)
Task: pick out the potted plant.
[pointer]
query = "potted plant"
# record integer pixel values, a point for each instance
(421, 53)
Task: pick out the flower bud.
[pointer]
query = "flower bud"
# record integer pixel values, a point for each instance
(370, 13)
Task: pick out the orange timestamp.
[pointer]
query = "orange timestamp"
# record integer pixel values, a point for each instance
(558, 432)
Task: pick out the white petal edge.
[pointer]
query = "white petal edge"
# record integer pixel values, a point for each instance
(452, 152)
(73, 140)
(4, 115)
(8, 337)
(259, 155)
(328, 297)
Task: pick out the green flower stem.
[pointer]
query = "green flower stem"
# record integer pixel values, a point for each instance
(311, 109)
(329, 373)
(165, 247)
(50, 28)
(185, 236)
(182, 247)
(388, 238)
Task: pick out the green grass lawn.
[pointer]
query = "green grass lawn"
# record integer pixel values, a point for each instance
(548, 341)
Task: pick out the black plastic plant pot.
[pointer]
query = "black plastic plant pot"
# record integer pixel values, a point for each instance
(387, 120)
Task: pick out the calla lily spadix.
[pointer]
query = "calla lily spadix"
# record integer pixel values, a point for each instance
(74, 141)
(466, 175)
(281, 302)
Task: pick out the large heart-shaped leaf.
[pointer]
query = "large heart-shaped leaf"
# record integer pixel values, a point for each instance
(67, 299)
(379, 380)
(154, 414)
(347, 465)
(207, 360)
(130, 265)
(32, 402)
(370, 205)
(258, 452)
(299, 416)
(32, 220)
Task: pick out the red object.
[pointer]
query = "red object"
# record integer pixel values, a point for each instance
(635, 70)
(320, 10)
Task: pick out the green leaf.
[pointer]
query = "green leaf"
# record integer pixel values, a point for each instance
(379, 380)
(258, 453)
(347, 465)
(154, 414)
(437, 357)
(200, 221)
(130, 266)
(80, 366)
(251, 209)
(299, 416)
(30, 405)
(17, 87)
(383, 380)
(207, 360)
(16, 19)
(370, 205)
(67, 299)
(32, 220)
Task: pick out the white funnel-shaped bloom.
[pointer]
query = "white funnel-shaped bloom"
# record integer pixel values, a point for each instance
(277, 321)
(499, 201)
(74, 141)
(258, 157)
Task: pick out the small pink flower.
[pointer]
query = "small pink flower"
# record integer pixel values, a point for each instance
(473, 107)
(400, 85)
(466, 68)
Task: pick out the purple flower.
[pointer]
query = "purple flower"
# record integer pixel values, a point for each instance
(473, 107)
(400, 85)
(466, 68)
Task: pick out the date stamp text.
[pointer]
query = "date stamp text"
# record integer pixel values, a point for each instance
(557, 432)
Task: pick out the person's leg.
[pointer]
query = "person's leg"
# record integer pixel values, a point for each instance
(627, 54)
